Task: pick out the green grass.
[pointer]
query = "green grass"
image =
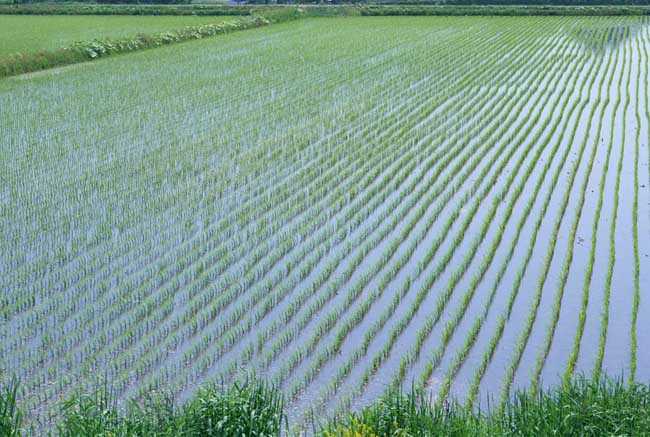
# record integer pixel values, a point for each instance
(250, 408)
(11, 415)
(254, 408)
(31, 33)
(582, 408)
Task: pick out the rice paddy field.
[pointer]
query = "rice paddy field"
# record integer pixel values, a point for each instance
(341, 206)
(31, 33)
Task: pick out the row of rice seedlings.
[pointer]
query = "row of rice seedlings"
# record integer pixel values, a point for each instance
(444, 297)
(635, 210)
(612, 235)
(645, 77)
(453, 321)
(532, 315)
(555, 311)
(503, 318)
(401, 325)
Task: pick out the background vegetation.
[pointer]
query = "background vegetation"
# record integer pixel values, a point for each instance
(20, 34)
(407, 7)
(86, 51)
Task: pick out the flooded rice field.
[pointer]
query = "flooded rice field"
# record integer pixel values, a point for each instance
(465, 208)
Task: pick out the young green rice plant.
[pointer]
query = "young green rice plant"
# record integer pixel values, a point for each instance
(11, 415)
(635, 212)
